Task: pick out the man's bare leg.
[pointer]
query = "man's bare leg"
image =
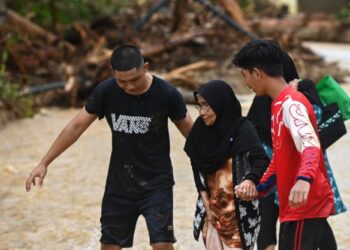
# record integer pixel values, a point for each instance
(163, 246)
(110, 247)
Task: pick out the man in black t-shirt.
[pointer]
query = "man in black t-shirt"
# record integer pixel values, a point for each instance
(137, 106)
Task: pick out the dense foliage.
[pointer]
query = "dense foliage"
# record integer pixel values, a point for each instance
(49, 13)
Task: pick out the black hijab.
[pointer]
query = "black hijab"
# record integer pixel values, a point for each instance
(210, 146)
(260, 110)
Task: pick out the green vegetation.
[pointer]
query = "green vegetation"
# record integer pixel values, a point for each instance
(246, 5)
(9, 94)
(52, 15)
(344, 14)
(49, 13)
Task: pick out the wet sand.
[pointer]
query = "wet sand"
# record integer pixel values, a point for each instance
(64, 214)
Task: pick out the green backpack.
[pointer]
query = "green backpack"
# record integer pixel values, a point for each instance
(331, 92)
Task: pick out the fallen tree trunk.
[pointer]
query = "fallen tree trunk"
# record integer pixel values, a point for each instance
(175, 40)
(231, 23)
(180, 15)
(185, 81)
(303, 28)
(184, 74)
(204, 64)
(98, 56)
(26, 26)
(235, 11)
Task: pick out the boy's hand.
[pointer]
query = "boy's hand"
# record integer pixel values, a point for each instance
(299, 193)
(40, 172)
(246, 190)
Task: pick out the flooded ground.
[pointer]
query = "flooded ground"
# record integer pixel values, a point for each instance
(64, 214)
(332, 52)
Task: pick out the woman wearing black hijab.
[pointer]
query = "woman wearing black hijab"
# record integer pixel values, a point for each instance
(260, 115)
(225, 151)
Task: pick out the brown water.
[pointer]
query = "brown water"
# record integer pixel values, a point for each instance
(64, 214)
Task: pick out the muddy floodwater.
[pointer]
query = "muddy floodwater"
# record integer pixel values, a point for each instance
(64, 214)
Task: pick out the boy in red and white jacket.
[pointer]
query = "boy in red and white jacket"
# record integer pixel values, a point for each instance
(297, 166)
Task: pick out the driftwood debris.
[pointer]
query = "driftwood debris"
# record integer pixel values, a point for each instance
(26, 26)
(174, 40)
(204, 64)
(303, 27)
(100, 54)
(185, 73)
(188, 47)
(235, 11)
(180, 15)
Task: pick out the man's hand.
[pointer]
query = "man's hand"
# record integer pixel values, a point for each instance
(299, 193)
(246, 190)
(38, 172)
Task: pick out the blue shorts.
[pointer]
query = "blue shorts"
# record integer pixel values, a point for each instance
(120, 214)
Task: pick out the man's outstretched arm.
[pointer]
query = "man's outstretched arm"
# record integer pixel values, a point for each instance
(67, 137)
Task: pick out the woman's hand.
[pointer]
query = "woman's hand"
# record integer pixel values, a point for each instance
(246, 190)
(294, 83)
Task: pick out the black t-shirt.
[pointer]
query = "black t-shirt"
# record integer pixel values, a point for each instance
(140, 160)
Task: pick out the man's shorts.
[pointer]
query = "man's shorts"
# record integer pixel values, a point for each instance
(302, 234)
(120, 214)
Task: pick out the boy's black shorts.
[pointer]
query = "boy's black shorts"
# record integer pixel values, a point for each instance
(120, 214)
(302, 235)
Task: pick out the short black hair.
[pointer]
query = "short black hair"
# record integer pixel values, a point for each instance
(126, 57)
(265, 55)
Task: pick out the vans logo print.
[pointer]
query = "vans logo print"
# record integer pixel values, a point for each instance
(131, 124)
